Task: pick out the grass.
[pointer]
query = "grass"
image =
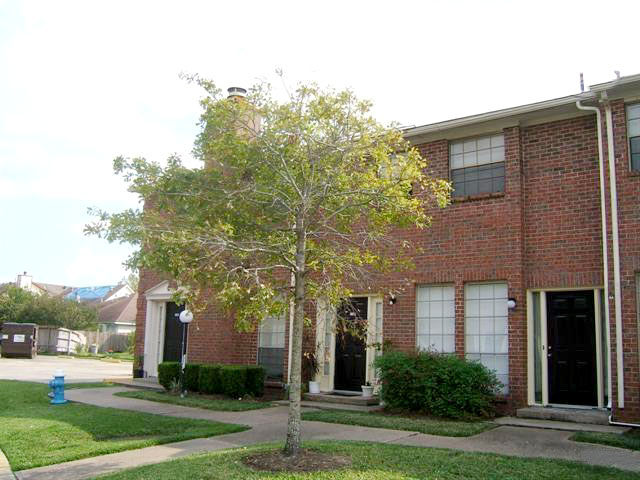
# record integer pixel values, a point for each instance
(199, 401)
(377, 462)
(429, 425)
(34, 433)
(629, 439)
(107, 357)
(75, 386)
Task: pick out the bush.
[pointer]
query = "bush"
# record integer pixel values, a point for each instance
(209, 379)
(233, 379)
(191, 377)
(168, 374)
(255, 380)
(437, 384)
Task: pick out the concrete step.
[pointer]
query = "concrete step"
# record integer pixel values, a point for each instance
(342, 399)
(574, 415)
(556, 425)
(332, 406)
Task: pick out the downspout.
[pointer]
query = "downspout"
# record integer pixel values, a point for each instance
(605, 250)
(616, 250)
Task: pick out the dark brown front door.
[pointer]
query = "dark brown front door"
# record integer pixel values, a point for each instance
(172, 333)
(351, 353)
(571, 348)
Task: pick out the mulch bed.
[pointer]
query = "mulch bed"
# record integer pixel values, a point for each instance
(306, 461)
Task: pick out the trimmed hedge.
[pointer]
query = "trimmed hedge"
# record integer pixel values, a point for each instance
(168, 374)
(231, 380)
(209, 379)
(255, 380)
(191, 376)
(437, 384)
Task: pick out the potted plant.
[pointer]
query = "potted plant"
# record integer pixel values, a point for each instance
(367, 390)
(310, 369)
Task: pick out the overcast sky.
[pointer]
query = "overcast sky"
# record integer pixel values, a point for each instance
(82, 82)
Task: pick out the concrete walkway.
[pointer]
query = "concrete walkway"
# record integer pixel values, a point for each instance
(5, 469)
(269, 425)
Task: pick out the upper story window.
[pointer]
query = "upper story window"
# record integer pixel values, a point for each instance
(633, 131)
(477, 165)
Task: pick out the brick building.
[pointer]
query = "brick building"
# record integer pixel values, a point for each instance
(533, 270)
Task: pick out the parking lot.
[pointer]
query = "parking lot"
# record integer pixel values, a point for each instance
(42, 368)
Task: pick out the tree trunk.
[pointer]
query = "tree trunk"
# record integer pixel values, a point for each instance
(292, 445)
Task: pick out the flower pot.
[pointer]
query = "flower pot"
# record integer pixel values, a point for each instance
(367, 391)
(314, 387)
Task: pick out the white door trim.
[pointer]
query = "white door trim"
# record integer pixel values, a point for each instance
(157, 298)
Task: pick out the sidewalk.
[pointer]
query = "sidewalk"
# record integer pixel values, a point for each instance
(269, 425)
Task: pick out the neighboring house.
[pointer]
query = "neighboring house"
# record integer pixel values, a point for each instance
(518, 272)
(118, 315)
(26, 282)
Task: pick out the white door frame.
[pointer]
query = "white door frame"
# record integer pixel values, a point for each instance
(543, 334)
(157, 298)
(326, 318)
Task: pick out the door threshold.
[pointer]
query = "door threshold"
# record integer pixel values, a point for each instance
(574, 407)
(347, 393)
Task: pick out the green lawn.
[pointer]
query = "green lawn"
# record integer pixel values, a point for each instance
(198, 401)
(34, 433)
(123, 356)
(377, 462)
(630, 439)
(68, 386)
(432, 426)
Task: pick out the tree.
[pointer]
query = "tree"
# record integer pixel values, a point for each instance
(18, 305)
(295, 201)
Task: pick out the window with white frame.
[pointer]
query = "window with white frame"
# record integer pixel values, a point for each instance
(633, 132)
(486, 327)
(271, 345)
(477, 165)
(435, 318)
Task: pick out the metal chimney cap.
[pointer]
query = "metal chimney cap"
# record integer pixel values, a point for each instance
(237, 92)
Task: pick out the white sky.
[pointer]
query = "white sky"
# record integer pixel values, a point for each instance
(82, 82)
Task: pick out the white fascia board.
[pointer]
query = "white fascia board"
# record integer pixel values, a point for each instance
(498, 114)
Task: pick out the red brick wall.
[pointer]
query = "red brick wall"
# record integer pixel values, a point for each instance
(628, 189)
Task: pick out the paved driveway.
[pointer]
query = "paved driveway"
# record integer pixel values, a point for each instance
(42, 368)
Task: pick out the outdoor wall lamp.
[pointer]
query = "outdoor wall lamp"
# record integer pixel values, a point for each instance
(392, 299)
(511, 304)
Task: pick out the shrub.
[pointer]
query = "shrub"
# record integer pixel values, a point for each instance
(233, 379)
(191, 377)
(255, 380)
(209, 379)
(436, 384)
(168, 374)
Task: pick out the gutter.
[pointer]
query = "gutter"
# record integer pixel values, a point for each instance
(603, 221)
(616, 249)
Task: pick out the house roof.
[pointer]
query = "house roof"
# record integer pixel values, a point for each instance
(84, 294)
(523, 115)
(53, 289)
(120, 310)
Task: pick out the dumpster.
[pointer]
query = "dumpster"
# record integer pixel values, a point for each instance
(19, 340)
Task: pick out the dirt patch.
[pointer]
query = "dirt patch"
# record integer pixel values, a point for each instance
(306, 461)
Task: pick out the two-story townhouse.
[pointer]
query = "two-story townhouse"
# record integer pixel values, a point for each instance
(533, 270)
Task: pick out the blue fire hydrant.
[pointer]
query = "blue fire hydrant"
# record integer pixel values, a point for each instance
(57, 385)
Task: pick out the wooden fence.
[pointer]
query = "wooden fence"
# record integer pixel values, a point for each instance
(106, 341)
(59, 340)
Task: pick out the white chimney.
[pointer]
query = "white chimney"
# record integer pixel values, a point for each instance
(24, 281)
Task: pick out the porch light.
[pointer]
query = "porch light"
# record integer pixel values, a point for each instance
(392, 299)
(511, 303)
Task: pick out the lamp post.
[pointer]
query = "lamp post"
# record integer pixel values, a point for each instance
(186, 317)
